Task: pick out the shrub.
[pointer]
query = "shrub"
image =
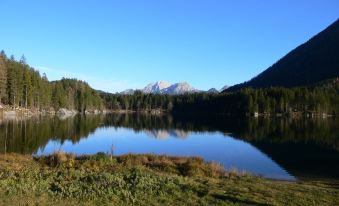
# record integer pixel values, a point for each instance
(58, 158)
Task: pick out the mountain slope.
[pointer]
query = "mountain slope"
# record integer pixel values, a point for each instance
(223, 88)
(156, 87)
(312, 62)
(128, 91)
(179, 88)
(212, 91)
(163, 87)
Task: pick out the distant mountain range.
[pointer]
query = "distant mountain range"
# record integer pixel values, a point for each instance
(179, 88)
(128, 91)
(156, 88)
(213, 91)
(163, 87)
(312, 62)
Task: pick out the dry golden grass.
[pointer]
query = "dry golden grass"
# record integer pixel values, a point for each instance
(64, 179)
(186, 166)
(15, 162)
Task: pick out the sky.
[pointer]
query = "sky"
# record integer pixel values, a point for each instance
(120, 44)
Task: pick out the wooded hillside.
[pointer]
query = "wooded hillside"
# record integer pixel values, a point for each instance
(23, 86)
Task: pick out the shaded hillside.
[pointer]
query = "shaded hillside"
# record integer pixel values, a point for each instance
(314, 61)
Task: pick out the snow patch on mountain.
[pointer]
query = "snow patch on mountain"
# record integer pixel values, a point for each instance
(156, 87)
(179, 88)
(163, 87)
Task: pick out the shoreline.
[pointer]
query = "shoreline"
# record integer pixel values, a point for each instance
(256, 115)
(19, 112)
(7, 112)
(145, 180)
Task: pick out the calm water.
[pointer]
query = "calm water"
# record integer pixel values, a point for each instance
(276, 148)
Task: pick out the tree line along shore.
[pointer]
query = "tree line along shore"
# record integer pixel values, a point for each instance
(21, 86)
(24, 91)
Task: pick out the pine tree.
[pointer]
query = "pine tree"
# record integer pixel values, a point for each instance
(27, 88)
(45, 93)
(11, 82)
(3, 77)
(23, 60)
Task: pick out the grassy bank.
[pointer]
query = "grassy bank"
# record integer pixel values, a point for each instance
(145, 180)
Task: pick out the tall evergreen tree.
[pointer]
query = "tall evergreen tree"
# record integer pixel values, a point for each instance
(11, 82)
(27, 88)
(3, 77)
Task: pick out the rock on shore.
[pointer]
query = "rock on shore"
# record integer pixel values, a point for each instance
(63, 113)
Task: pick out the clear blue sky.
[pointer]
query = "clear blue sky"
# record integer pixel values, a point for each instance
(115, 45)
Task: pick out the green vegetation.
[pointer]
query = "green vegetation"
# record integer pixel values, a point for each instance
(314, 61)
(145, 180)
(301, 100)
(74, 94)
(22, 86)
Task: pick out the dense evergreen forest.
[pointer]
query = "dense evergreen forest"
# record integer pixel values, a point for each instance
(23, 86)
(312, 100)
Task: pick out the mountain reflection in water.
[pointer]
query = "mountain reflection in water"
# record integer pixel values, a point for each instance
(164, 134)
(276, 148)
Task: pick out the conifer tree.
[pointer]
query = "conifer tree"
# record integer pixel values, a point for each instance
(3, 77)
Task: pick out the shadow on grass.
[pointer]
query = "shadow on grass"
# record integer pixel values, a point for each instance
(236, 200)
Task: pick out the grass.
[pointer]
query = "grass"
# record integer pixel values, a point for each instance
(65, 179)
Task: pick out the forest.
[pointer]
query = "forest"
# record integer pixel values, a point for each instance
(308, 100)
(23, 86)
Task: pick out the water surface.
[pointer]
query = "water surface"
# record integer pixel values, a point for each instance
(285, 149)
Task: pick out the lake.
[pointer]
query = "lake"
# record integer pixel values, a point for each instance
(278, 148)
